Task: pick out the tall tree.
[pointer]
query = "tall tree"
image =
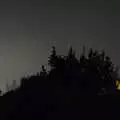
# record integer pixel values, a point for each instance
(53, 58)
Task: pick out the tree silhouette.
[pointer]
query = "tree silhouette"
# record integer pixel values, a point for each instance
(103, 69)
(53, 58)
(72, 89)
(43, 72)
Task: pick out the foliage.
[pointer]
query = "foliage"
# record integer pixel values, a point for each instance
(77, 83)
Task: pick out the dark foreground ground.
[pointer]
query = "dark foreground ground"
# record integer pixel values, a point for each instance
(81, 108)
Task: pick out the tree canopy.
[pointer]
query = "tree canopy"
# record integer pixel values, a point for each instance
(72, 84)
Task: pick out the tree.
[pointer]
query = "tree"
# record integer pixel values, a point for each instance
(104, 70)
(90, 54)
(43, 72)
(93, 73)
(71, 53)
(53, 58)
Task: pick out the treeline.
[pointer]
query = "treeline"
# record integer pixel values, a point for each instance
(83, 88)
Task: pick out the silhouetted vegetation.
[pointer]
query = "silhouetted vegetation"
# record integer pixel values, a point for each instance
(73, 89)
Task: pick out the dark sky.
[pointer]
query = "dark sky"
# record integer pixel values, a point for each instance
(29, 29)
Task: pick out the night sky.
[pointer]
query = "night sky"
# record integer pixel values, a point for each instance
(29, 29)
